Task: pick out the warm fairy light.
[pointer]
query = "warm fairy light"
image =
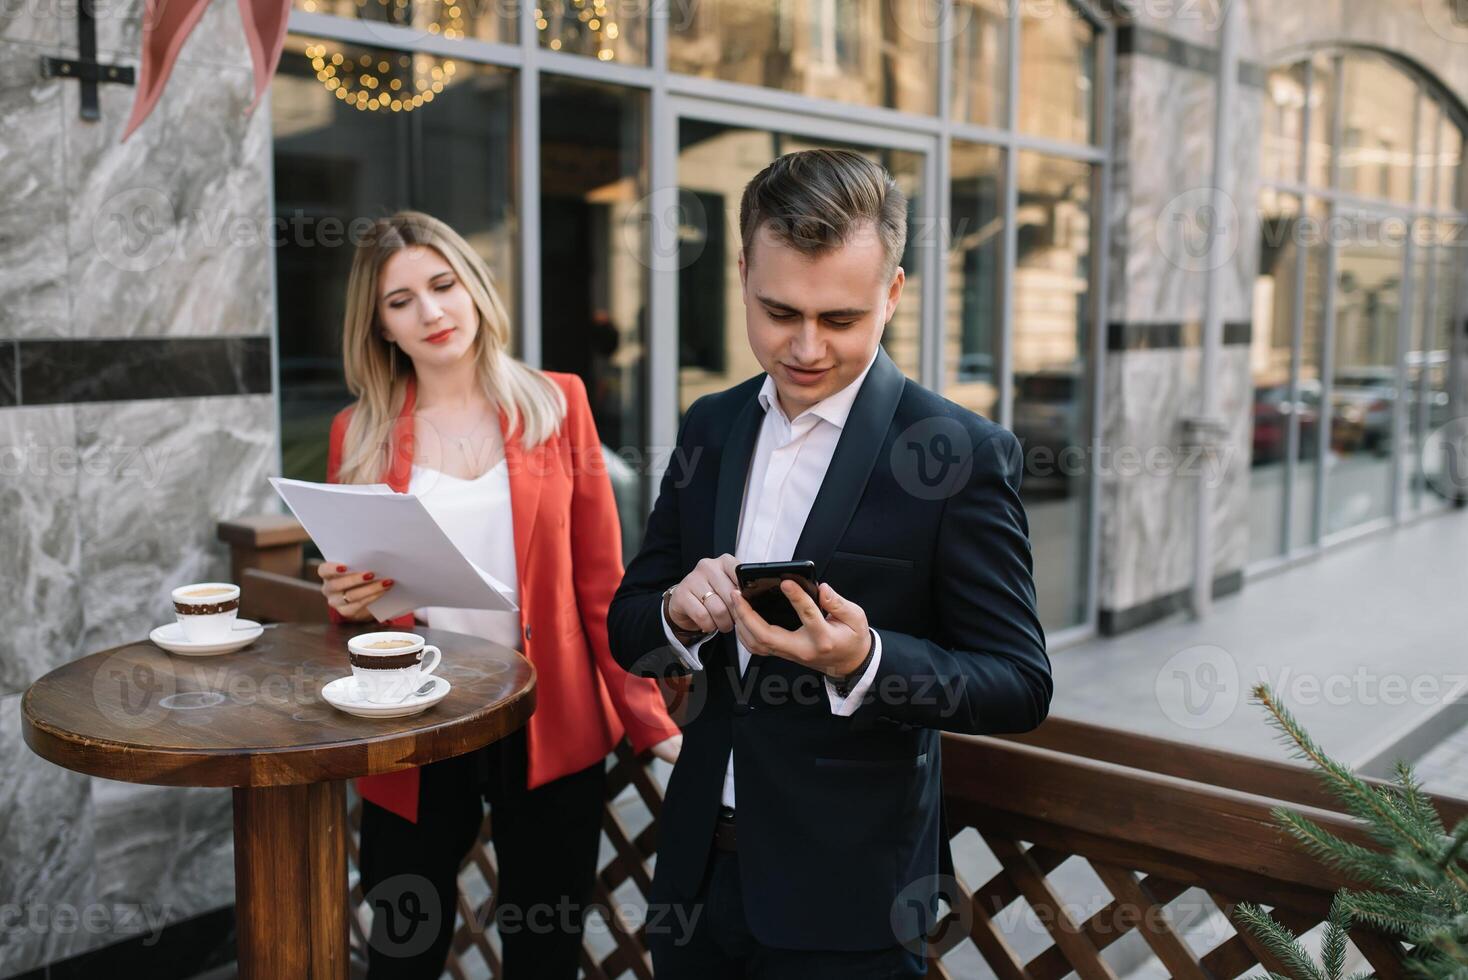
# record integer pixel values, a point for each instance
(382, 82)
(582, 25)
(397, 82)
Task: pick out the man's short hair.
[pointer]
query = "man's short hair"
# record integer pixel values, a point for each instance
(815, 200)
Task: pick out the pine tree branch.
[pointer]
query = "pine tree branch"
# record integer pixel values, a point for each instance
(1279, 940)
(1383, 821)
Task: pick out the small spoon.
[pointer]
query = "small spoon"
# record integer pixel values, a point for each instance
(424, 689)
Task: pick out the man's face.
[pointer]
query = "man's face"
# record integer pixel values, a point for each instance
(815, 322)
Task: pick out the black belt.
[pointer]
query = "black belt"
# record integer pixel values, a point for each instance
(724, 837)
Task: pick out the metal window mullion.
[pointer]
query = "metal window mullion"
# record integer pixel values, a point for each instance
(1327, 340)
(979, 133)
(1297, 331)
(934, 331)
(1397, 504)
(527, 156)
(350, 30)
(662, 320)
(780, 100)
(784, 123)
(1100, 267)
(1212, 345)
(1429, 315)
(1011, 208)
(593, 69)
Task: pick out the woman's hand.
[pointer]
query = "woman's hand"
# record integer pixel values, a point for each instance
(668, 748)
(349, 592)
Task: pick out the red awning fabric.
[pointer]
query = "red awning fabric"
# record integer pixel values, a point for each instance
(167, 25)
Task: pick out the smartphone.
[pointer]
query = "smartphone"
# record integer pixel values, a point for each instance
(759, 583)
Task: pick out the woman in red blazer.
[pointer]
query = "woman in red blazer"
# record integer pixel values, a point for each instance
(505, 452)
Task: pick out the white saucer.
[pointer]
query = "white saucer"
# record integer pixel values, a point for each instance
(171, 638)
(342, 694)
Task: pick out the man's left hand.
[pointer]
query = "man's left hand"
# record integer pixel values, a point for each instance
(835, 646)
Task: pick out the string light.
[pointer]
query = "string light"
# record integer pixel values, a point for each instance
(394, 83)
(580, 25)
(404, 82)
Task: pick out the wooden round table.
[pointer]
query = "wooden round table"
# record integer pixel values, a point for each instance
(255, 720)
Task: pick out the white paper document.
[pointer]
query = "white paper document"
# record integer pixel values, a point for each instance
(369, 527)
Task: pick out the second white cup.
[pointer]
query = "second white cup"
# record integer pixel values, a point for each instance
(388, 666)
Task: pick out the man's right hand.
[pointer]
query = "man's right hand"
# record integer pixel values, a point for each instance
(349, 592)
(702, 601)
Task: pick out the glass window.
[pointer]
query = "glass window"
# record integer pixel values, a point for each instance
(1284, 118)
(1322, 118)
(1428, 123)
(608, 30)
(872, 53)
(1057, 73)
(1312, 426)
(1450, 180)
(714, 163)
(1376, 138)
(1368, 295)
(342, 158)
(1051, 417)
(441, 18)
(1435, 408)
(1271, 349)
(593, 269)
(975, 266)
(980, 61)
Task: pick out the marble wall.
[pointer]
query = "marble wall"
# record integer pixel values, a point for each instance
(107, 504)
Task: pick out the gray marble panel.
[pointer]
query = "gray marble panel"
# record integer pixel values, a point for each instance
(1119, 204)
(166, 849)
(169, 232)
(39, 23)
(1194, 21)
(217, 40)
(157, 478)
(1169, 173)
(33, 291)
(40, 621)
(1231, 486)
(1236, 296)
(47, 853)
(1147, 539)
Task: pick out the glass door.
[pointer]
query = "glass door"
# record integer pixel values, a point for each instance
(718, 149)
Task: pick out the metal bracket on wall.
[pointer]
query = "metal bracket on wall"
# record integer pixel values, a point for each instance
(85, 67)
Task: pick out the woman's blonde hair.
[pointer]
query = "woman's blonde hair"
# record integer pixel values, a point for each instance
(377, 373)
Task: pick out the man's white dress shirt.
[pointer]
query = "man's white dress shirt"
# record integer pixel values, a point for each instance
(785, 473)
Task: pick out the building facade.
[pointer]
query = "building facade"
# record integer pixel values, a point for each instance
(1208, 263)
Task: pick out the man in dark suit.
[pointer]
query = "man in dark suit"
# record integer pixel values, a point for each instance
(802, 829)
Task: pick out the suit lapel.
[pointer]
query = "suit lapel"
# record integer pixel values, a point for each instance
(733, 473)
(525, 471)
(856, 453)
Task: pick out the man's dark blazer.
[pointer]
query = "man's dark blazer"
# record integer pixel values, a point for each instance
(919, 522)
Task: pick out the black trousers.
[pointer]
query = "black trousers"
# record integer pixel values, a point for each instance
(545, 843)
(717, 944)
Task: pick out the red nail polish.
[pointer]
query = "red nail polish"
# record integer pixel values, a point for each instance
(341, 568)
(386, 582)
(367, 577)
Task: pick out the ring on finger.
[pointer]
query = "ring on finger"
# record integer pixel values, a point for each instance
(705, 597)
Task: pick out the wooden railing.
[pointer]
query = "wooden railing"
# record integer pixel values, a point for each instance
(1085, 835)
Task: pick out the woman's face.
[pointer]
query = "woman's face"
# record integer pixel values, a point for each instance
(424, 308)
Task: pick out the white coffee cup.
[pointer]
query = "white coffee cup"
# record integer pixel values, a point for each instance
(388, 666)
(207, 610)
